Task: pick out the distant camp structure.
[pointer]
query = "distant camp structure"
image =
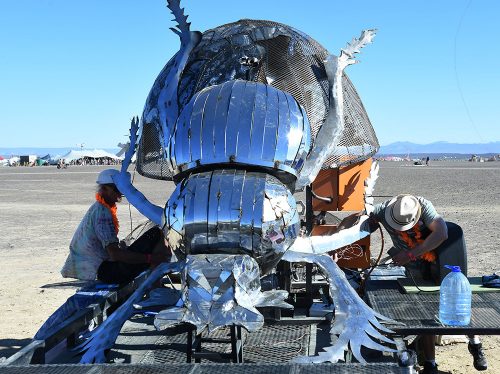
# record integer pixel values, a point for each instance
(88, 157)
(73, 157)
(477, 158)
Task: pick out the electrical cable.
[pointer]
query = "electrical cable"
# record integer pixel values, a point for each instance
(408, 271)
(129, 208)
(376, 264)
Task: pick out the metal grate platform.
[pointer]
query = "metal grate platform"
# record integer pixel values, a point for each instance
(139, 342)
(207, 369)
(271, 344)
(419, 312)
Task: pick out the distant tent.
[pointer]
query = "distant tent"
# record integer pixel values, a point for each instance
(96, 153)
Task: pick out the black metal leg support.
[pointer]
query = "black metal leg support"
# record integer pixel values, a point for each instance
(194, 341)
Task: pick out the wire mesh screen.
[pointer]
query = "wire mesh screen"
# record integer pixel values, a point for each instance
(358, 141)
(279, 56)
(150, 159)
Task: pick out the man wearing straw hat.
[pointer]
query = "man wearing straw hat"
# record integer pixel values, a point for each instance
(416, 230)
(414, 225)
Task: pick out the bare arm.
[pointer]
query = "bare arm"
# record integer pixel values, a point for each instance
(439, 233)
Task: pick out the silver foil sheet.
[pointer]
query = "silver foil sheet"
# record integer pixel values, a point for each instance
(220, 290)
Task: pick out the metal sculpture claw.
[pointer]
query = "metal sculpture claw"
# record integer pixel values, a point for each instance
(355, 323)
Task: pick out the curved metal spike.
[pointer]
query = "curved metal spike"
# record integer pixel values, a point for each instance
(370, 330)
(327, 243)
(370, 187)
(331, 129)
(347, 53)
(381, 327)
(377, 346)
(356, 351)
(162, 108)
(358, 338)
(357, 341)
(122, 181)
(181, 19)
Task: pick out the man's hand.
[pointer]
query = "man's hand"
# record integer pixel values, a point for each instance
(402, 258)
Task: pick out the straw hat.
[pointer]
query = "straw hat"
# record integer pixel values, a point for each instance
(403, 212)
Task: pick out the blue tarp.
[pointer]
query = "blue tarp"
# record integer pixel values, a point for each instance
(80, 300)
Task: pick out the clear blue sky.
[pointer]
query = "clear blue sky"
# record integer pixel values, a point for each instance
(77, 71)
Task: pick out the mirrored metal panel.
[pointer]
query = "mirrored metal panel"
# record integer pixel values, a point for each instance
(241, 123)
(232, 212)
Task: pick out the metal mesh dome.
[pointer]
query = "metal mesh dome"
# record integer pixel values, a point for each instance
(270, 53)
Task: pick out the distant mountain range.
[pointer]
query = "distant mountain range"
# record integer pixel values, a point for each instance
(404, 148)
(40, 151)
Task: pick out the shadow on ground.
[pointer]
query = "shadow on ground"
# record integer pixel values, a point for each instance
(68, 284)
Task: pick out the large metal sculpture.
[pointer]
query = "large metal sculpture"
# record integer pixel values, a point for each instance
(240, 118)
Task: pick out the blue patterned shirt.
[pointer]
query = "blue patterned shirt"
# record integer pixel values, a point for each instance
(88, 247)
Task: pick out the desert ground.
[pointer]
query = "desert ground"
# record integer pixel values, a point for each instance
(40, 207)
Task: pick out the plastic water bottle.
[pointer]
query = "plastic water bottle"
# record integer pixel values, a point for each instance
(455, 298)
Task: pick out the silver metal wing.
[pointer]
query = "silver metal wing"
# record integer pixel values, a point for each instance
(330, 132)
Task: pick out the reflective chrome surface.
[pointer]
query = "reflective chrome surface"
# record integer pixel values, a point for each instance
(240, 122)
(232, 212)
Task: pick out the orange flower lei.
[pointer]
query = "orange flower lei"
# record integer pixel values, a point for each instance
(427, 256)
(112, 210)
